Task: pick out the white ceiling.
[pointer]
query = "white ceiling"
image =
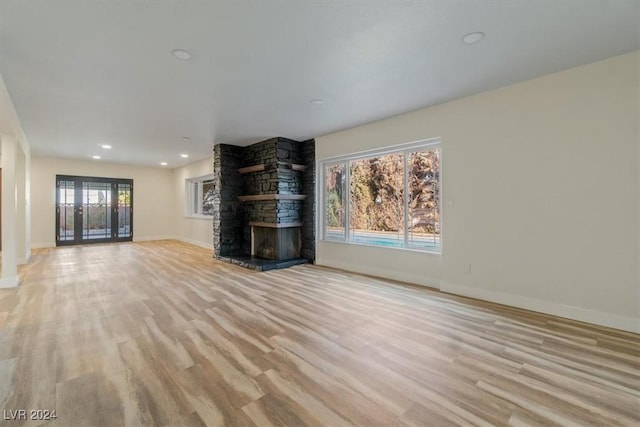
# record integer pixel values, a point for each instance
(88, 72)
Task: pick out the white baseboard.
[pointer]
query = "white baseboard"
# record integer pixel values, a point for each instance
(25, 259)
(150, 238)
(601, 318)
(196, 242)
(43, 245)
(9, 282)
(399, 276)
(181, 239)
(136, 239)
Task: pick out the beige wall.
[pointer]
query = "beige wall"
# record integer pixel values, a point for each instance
(198, 231)
(541, 188)
(153, 196)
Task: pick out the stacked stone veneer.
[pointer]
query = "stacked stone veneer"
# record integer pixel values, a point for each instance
(227, 209)
(232, 233)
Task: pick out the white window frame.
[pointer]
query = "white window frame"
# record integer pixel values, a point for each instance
(193, 197)
(403, 149)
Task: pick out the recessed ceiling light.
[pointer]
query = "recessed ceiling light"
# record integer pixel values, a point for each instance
(163, 163)
(106, 146)
(316, 101)
(472, 38)
(96, 157)
(181, 54)
(184, 156)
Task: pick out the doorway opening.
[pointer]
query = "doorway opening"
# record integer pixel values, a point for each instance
(93, 210)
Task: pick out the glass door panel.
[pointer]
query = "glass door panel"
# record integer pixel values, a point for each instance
(124, 210)
(65, 210)
(96, 204)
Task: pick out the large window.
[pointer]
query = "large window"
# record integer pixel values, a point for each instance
(199, 194)
(385, 198)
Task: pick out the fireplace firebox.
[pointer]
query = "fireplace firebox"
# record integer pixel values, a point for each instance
(276, 243)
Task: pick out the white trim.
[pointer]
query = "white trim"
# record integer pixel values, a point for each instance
(405, 199)
(25, 259)
(601, 318)
(319, 205)
(43, 245)
(9, 282)
(375, 271)
(195, 242)
(149, 238)
(191, 209)
(136, 239)
(427, 251)
(390, 149)
(346, 190)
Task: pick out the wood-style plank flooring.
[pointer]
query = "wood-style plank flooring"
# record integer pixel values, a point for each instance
(158, 333)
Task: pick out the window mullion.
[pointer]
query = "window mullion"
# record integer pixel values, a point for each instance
(406, 198)
(200, 196)
(194, 194)
(347, 192)
(323, 200)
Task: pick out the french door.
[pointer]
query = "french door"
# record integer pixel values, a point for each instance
(93, 210)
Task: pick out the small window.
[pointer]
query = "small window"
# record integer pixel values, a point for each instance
(199, 194)
(387, 198)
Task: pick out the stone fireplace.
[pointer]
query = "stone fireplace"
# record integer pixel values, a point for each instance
(266, 213)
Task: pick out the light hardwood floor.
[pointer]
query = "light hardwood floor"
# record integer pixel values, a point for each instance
(158, 333)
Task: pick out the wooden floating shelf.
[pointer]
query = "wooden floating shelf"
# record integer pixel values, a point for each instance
(261, 197)
(293, 166)
(254, 168)
(263, 167)
(279, 225)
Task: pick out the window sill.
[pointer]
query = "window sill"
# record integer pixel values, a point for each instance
(417, 250)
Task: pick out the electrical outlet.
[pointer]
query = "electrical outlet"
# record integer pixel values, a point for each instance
(467, 270)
